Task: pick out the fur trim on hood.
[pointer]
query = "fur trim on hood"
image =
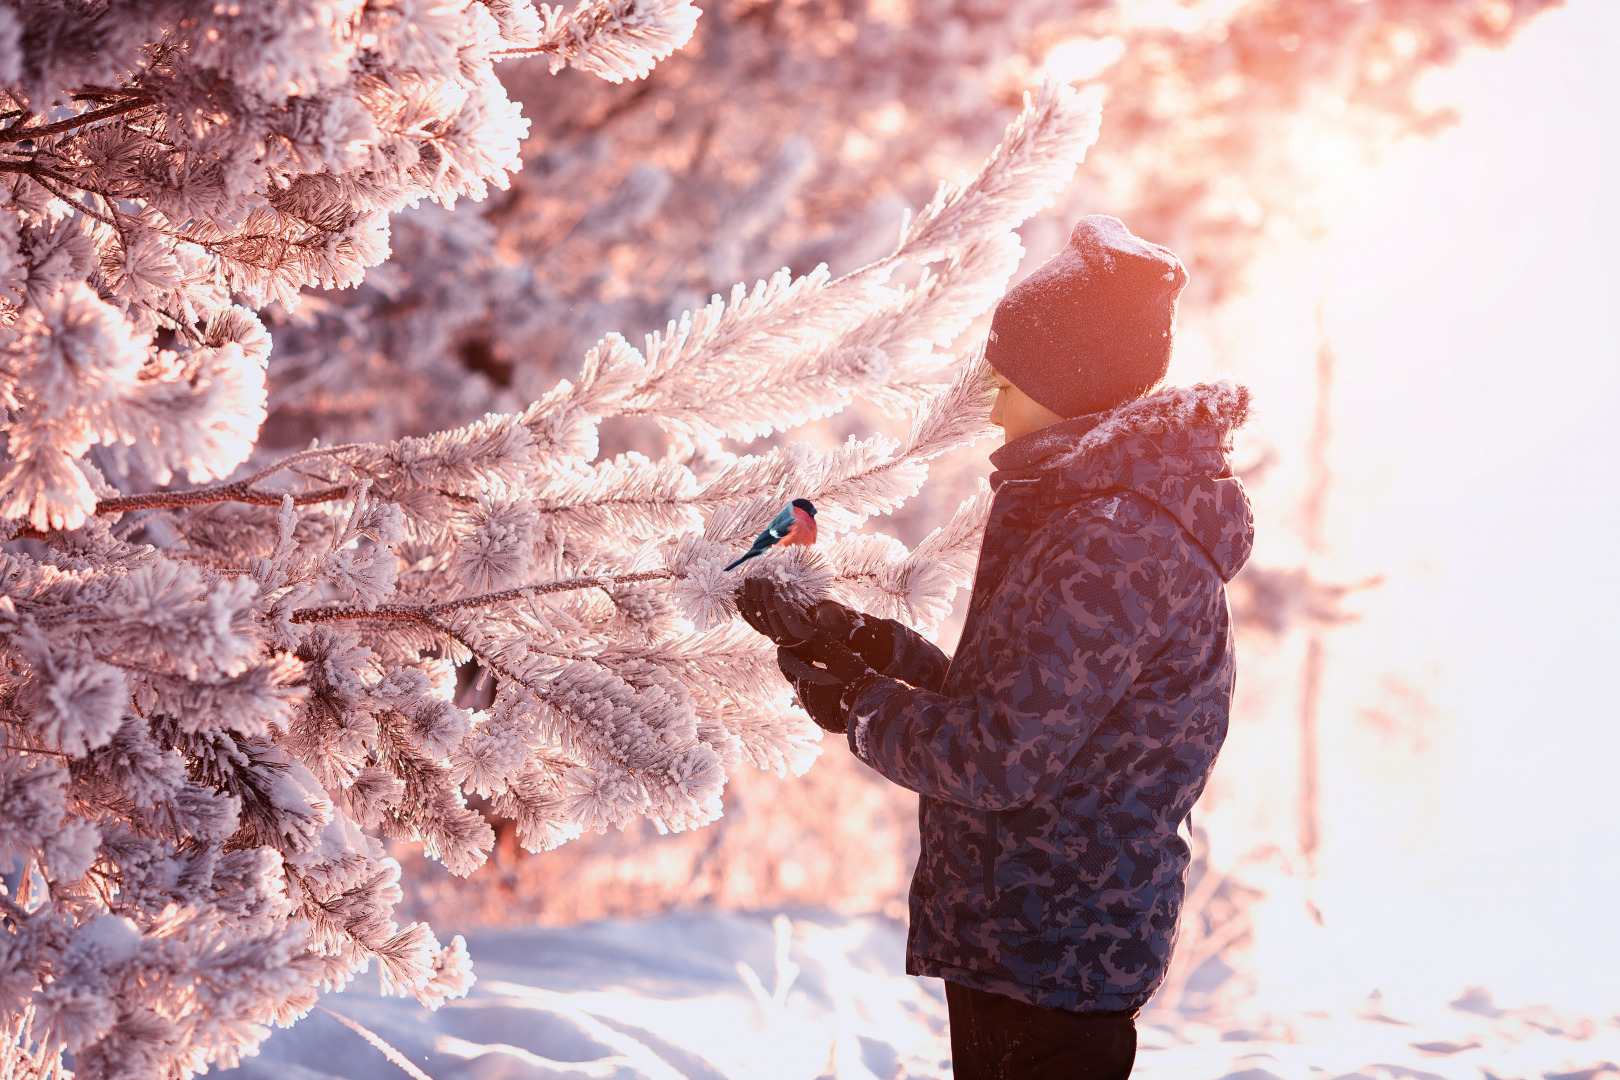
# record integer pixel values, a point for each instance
(1222, 404)
(1169, 447)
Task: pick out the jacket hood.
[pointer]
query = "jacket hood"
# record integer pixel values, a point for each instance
(1170, 447)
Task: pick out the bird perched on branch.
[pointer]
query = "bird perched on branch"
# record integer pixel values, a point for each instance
(796, 524)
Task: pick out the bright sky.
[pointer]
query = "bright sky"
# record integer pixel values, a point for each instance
(1471, 289)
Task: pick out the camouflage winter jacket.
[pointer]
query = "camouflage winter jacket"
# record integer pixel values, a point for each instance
(1060, 750)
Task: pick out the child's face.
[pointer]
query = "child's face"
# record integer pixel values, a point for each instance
(1016, 413)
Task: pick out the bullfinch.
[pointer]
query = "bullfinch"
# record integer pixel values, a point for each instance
(796, 524)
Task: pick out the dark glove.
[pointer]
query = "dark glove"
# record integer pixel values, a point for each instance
(766, 610)
(828, 653)
(827, 677)
(763, 608)
(870, 638)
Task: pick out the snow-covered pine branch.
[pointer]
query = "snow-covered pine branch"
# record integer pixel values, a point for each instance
(793, 350)
(194, 783)
(164, 164)
(1013, 184)
(612, 39)
(217, 701)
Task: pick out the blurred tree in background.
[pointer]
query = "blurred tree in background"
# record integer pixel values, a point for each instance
(788, 134)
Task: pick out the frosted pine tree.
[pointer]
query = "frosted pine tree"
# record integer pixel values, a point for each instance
(792, 134)
(225, 681)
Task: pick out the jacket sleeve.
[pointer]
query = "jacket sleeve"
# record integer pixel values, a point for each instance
(1075, 629)
(917, 660)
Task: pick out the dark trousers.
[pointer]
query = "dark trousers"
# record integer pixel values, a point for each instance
(997, 1038)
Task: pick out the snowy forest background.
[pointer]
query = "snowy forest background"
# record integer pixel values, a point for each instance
(362, 562)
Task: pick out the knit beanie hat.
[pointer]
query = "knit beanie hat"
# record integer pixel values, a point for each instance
(1092, 328)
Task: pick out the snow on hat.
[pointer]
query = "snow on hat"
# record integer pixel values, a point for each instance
(1092, 328)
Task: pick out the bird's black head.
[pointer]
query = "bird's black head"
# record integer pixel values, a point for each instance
(806, 505)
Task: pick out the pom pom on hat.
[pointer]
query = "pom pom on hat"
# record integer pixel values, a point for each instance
(1092, 328)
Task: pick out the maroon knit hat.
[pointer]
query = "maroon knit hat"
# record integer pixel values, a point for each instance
(1092, 328)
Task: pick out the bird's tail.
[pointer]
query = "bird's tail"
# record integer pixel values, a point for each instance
(749, 554)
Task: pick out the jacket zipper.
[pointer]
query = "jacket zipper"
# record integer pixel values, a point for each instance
(992, 849)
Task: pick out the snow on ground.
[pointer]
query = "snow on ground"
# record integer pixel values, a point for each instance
(716, 996)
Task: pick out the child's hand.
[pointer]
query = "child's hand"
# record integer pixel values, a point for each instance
(826, 676)
(763, 608)
(826, 623)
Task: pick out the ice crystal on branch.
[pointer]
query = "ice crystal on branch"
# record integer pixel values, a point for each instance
(220, 699)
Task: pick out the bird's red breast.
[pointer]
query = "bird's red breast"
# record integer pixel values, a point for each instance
(803, 532)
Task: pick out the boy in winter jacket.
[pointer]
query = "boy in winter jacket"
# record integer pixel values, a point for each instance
(1060, 750)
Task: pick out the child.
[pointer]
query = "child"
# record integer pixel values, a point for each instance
(1058, 753)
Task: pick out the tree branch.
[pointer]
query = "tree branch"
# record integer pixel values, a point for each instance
(241, 491)
(174, 500)
(237, 492)
(601, 581)
(48, 180)
(424, 613)
(416, 613)
(17, 132)
(294, 459)
(34, 750)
